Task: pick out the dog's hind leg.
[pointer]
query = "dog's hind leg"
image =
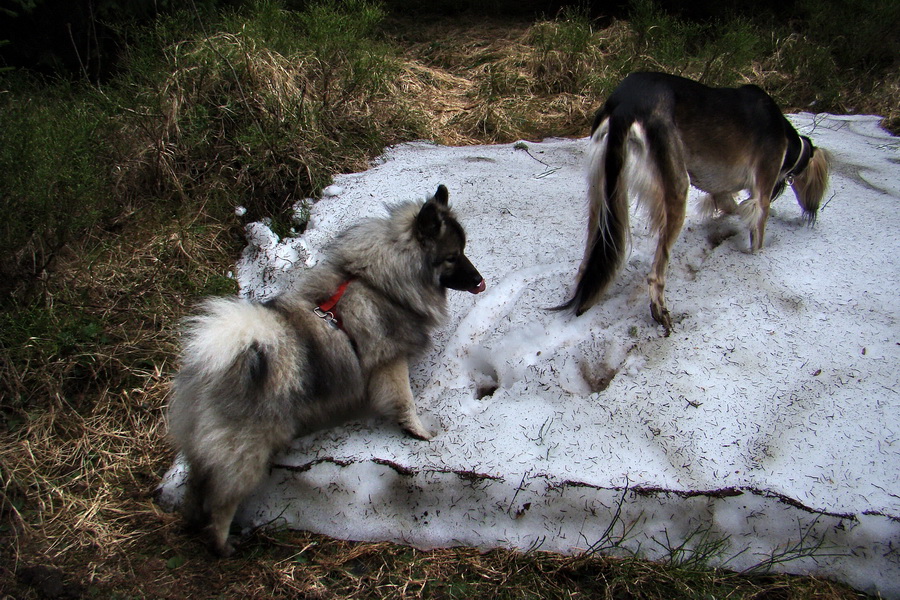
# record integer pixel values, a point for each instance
(390, 393)
(668, 234)
(667, 211)
(195, 515)
(235, 474)
(219, 525)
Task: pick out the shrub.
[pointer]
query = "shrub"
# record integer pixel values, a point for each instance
(714, 52)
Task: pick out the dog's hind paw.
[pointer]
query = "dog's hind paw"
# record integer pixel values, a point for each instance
(223, 550)
(419, 434)
(661, 315)
(410, 423)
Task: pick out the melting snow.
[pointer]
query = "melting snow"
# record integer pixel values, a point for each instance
(770, 417)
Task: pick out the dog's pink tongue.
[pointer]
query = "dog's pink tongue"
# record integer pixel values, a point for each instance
(478, 288)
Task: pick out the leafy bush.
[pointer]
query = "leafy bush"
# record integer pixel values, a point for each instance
(860, 34)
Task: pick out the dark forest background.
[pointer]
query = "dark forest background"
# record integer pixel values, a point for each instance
(86, 38)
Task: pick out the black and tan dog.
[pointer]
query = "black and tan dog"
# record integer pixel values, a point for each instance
(656, 135)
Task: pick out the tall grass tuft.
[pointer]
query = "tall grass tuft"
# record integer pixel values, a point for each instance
(261, 108)
(712, 52)
(567, 56)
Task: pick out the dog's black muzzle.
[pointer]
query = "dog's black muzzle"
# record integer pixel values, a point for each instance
(464, 277)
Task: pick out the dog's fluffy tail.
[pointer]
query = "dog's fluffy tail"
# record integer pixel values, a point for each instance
(230, 407)
(618, 147)
(232, 349)
(809, 186)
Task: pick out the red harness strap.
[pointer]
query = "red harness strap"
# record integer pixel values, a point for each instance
(326, 309)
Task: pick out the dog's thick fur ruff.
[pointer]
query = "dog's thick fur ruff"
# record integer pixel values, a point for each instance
(255, 375)
(656, 135)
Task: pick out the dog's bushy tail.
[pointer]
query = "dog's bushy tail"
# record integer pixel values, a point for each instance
(809, 186)
(230, 349)
(608, 208)
(230, 407)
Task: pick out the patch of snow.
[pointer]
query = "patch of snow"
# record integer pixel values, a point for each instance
(332, 190)
(770, 417)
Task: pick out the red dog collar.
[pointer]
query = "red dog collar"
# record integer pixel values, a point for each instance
(326, 309)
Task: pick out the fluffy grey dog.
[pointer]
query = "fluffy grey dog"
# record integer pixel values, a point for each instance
(338, 344)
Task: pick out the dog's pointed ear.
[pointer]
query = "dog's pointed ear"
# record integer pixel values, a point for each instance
(430, 219)
(442, 196)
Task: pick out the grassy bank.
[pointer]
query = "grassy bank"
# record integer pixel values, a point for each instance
(118, 201)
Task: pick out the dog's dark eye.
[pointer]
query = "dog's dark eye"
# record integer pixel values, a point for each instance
(451, 260)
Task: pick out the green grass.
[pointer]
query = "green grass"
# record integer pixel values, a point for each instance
(54, 173)
(567, 55)
(714, 52)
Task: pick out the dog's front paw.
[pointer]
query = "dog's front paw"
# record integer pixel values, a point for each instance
(419, 432)
(410, 422)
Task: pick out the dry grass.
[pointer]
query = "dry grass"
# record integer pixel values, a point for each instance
(82, 445)
(78, 460)
(494, 85)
